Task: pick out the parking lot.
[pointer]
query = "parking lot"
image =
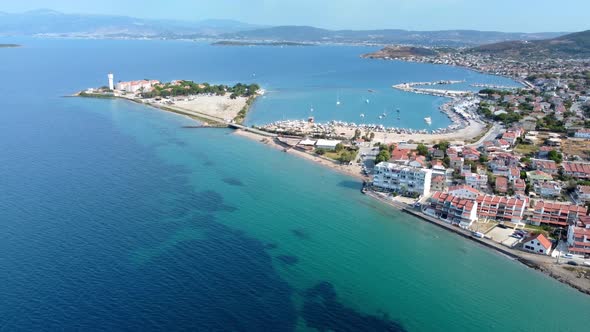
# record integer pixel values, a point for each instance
(503, 236)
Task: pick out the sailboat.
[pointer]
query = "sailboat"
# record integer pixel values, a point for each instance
(311, 109)
(367, 101)
(338, 99)
(428, 120)
(362, 115)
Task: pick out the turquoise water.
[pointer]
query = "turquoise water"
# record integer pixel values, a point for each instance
(116, 217)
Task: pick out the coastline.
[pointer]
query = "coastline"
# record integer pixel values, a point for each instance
(541, 264)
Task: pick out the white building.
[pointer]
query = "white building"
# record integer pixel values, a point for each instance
(111, 81)
(135, 86)
(405, 180)
(326, 144)
(547, 189)
(477, 181)
(582, 194)
(538, 244)
(464, 191)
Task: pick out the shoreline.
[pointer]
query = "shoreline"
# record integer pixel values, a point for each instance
(529, 260)
(543, 264)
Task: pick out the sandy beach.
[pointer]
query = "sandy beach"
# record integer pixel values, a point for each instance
(222, 107)
(351, 170)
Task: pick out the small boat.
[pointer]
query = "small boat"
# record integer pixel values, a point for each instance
(397, 110)
(370, 90)
(367, 101)
(428, 120)
(362, 115)
(380, 116)
(384, 114)
(399, 118)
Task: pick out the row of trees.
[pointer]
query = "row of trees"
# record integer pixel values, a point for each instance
(185, 88)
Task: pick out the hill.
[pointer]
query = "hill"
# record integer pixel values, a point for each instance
(45, 22)
(389, 36)
(400, 52)
(574, 46)
(50, 22)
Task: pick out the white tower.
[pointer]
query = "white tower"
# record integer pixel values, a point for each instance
(111, 81)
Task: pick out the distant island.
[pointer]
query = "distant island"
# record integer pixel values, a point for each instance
(9, 45)
(254, 43)
(398, 51)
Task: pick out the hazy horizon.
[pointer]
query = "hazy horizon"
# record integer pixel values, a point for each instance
(419, 15)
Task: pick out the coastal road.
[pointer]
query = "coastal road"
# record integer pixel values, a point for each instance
(496, 130)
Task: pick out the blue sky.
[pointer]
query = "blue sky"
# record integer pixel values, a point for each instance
(498, 15)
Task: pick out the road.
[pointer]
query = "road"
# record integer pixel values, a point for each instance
(496, 130)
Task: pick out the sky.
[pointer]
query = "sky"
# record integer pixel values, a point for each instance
(496, 15)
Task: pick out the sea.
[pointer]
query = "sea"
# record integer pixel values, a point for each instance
(114, 216)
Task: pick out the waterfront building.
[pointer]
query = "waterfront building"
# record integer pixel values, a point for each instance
(464, 191)
(556, 214)
(501, 208)
(576, 170)
(538, 244)
(578, 237)
(135, 86)
(452, 209)
(326, 144)
(402, 179)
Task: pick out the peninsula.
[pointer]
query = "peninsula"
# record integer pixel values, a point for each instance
(213, 105)
(9, 45)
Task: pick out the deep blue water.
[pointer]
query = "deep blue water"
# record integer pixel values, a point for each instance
(114, 217)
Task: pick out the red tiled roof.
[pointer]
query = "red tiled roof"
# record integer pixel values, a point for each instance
(576, 167)
(541, 238)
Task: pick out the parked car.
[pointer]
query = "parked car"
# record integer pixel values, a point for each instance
(568, 256)
(572, 263)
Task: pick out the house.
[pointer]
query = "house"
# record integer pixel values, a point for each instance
(477, 181)
(501, 184)
(514, 174)
(438, 183)
(464, 191)
(519, 186)
(135, 86)
(547, 166)
(400, 155)
(402, 179)
(470, 153)
(578, 237)
(547, 189)
(326, 144)
(556, 214)
(452, 209)
(501, 208)
(438, 154)
(538, 244)
(544, 151)
(582, 194)
(456, 163)
(538, 176)
(576, 170)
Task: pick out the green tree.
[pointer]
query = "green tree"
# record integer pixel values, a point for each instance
(339, 147)
(555, 156)
(422, 149)
(345, 157)
(320, 151)
(383, 155)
